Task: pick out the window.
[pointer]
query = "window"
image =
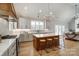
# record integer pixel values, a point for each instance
(12, 25)
(59, 29)
(37, 25)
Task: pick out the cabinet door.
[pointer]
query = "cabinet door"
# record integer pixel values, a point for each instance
(5, 53)
(12, 49)
(21, 38)
(30, 37)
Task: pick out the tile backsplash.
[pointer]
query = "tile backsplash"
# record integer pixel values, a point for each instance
(4, 28)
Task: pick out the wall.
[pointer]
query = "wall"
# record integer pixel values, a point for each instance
(51, 25)
(62, 17)
(4, 28)
(61, 13)
(25, 23)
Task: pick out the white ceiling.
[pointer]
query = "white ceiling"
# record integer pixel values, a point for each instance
(60, 11)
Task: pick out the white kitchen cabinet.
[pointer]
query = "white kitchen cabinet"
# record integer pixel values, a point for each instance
(21, 38)
(8, 47)
(30, 37)
(24, 37)
(5, 53)
(12, 50)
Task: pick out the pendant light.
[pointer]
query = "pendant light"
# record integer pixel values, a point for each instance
(47, 17)
(76, 15)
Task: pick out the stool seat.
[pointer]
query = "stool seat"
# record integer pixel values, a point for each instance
(49, 43)
(49, 39)
(42, 45)
(42, 40)
(56, 38)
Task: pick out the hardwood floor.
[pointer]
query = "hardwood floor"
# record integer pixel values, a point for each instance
(70, 48)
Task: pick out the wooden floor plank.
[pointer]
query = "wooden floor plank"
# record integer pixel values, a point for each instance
(71, 49)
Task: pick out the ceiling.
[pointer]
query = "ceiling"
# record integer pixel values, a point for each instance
(54, 11)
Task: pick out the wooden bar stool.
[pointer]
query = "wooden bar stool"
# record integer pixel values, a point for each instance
(56, 42)
(42, 45)
(49, 43)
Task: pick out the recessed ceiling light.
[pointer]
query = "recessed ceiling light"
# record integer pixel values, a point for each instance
(50, 13)
(25, 8)
(40, 10)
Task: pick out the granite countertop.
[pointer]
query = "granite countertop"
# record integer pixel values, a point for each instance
(43, 35)
(5, 44)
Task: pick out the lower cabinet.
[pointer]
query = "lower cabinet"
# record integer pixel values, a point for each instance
(25, 37)
(11, 51)
(5, 53)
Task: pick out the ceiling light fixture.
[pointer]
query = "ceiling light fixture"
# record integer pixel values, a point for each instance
(76, 13)
(40, 10)
(50, 13)
(25, 8)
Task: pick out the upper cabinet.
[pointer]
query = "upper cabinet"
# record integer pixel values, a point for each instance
(7, 9)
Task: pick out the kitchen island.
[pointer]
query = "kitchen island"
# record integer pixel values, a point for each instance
(38, 37)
